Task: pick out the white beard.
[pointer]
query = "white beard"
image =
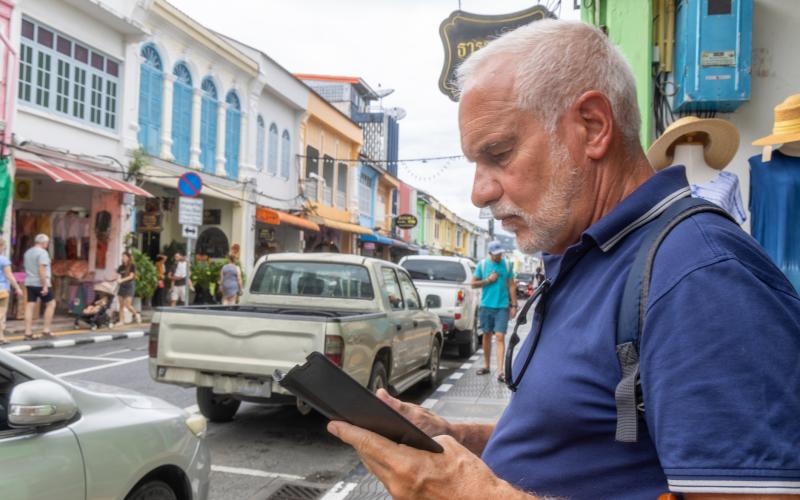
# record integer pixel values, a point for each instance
(548, 221)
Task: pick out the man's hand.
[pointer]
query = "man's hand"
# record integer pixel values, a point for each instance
(431, 424)
(492, 277)
(44, 291)
(409, 473)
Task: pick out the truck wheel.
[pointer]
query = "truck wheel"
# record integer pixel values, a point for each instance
(433, 364)
(152, 490)
(466, 350)
(216, 407)
(378, 378)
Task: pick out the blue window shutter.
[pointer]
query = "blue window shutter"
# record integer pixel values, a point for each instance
(181, 122)
(208, 134)
(272, 154)
(232, 134)
(150, 90)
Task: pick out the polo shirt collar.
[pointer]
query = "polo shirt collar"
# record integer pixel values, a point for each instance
(646, 203)
(640, 207)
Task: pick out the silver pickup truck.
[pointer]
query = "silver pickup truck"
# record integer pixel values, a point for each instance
(364, 314)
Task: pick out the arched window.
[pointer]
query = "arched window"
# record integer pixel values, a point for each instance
(272, 161)
(213, 243)
(233, 125)
(181, 114)
(260, 130)
(286, 150)
(151, 87)
(208, 125)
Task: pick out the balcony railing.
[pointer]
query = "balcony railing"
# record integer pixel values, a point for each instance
(341, 200)
(311, 189)
(327, 196)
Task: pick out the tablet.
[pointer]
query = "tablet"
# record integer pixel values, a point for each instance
(335, 394)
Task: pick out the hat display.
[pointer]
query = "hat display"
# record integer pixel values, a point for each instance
(786, 126)
(495, 248)
(720, 139)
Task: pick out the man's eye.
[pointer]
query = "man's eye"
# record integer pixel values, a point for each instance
(498, 157)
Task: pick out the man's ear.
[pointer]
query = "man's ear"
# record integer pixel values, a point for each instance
(592, 117)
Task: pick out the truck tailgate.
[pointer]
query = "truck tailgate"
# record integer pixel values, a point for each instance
(237, 344)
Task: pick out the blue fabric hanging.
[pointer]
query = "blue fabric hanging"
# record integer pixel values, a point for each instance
(775, 210)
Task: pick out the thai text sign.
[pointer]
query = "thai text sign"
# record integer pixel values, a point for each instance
(406, 221)
(463, 33)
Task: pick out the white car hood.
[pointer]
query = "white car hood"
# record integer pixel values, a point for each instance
(128, 397)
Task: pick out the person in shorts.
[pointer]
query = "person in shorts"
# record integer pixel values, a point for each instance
(498, 301)
(127, 288)
(38, 285)
(180, 280)
(7, 281)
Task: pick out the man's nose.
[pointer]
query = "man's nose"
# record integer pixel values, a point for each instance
(485, 189)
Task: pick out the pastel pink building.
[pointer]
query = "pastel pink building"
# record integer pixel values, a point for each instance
(8, 72)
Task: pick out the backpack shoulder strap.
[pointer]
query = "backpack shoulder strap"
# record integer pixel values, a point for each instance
(634, 305)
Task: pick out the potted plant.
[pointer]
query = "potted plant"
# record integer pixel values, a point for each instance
(205, 278)
(146, 279)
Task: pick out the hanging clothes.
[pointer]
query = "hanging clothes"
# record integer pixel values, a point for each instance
(724, 191)
(775, 208)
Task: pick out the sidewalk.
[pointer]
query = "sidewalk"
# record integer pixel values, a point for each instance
(63, 328)
(464, 396)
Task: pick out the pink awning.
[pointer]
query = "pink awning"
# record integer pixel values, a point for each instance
(61, 174)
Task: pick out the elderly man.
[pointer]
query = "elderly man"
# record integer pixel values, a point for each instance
(549, 115)
(38, 285)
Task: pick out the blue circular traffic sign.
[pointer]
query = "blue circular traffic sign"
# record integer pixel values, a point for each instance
(190, 184)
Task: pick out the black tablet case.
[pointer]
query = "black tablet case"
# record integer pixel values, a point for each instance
(335, 394)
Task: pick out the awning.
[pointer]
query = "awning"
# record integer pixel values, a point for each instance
(376, 238)
(275, 217)
(79, 177)
(341, 226)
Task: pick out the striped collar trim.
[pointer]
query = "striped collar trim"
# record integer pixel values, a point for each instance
(648, 216)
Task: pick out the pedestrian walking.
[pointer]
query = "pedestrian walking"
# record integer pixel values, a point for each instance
(38, 285)
(127, 288)
(498, 302)
(159, 297)
(231, 281)
(538, 277)
(6, 282)
(181, 282)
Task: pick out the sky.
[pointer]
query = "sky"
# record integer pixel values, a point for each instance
(389, 43)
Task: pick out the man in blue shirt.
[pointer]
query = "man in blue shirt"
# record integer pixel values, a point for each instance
(495, 277)
(548, 113)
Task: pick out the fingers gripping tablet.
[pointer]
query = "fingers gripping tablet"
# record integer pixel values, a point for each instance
(335, 394)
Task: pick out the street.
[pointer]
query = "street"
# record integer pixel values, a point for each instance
(262, 445)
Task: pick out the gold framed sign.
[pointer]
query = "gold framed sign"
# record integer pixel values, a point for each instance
(463, 33)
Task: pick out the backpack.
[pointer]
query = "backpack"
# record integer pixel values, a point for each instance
(628, 393)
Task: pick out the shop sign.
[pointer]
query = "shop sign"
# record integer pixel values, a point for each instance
(23, 190)
(463, 33)
(190, 211)
(406, 221)
(368, 245)
(212, 217)
(190, 232)
(267, 216)
(266, 235)
(190, 184)
(148, 222)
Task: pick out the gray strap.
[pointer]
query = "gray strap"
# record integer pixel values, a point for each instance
(625, 394)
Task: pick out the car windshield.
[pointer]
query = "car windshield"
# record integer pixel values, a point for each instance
(312, 279)
(435, 270)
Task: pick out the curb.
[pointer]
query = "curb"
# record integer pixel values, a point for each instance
(50, 344)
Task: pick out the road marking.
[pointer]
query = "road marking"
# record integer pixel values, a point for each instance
(465, 366)
(192, 409)
(62, 343)
(456, 375)
(113, 352)
(429, 403)
(103, 338)
(103, 367)
(67, 356)
(254, 473)
(18, 348)
(474, 358)
(444, 387)
(135, 334)
(339, 491)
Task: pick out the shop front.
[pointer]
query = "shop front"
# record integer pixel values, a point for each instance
(334, 236)
(84, 212)
(279, 231)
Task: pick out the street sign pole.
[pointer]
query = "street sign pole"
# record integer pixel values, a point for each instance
(189, 250)
(190, 216)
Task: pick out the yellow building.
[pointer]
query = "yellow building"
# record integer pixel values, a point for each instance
(331, 142)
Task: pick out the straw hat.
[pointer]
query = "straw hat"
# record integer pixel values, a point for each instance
(720, 140)
(786, 127)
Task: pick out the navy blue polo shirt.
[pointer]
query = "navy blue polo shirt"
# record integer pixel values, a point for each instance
(720, 366)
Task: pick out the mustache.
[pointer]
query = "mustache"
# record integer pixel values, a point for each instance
(503, 209)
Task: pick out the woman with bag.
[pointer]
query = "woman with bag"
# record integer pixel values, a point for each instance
(127, 287)
(231, 280)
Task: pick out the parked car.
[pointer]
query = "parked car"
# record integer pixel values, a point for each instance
(364, 314)
(77, 440)
(449, 278)
(524, 284)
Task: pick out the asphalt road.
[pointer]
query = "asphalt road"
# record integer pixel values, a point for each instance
(261, 446)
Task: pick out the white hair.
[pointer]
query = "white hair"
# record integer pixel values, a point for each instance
(41, 238)
(556, 62)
